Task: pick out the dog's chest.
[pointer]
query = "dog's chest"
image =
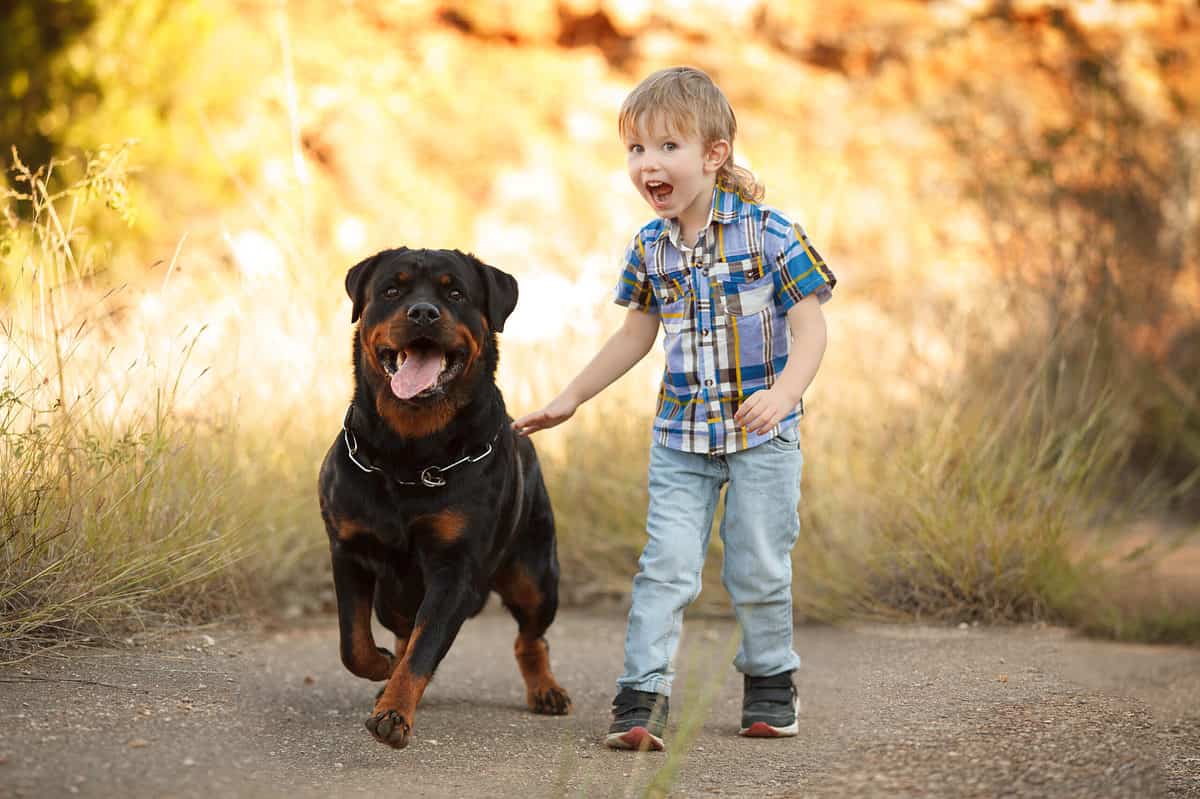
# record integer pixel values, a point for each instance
(441, 520)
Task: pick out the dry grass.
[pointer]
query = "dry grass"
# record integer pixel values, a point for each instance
(163, 453)
(135, 493)
(101, 518)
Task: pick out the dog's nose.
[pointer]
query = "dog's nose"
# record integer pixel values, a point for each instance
(424, 313)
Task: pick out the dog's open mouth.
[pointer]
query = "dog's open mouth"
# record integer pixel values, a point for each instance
(421, 369)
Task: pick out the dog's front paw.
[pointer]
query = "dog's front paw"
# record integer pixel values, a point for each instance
(550, 701)
(390, 728)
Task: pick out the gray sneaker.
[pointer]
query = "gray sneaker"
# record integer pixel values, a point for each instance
(769, 706)
(639, 718)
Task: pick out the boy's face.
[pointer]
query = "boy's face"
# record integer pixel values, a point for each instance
(674, 172)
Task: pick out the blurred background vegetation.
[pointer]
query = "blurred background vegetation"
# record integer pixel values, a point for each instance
(1007, 424)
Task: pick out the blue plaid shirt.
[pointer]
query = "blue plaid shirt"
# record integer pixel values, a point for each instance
(723, 306)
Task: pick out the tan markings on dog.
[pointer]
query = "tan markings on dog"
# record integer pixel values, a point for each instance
(371, 342)
(446, 527)
(404, 689)
(473, 347)
(399, 624)
(412, 423)
(542, 691)
(348, 528)
(445, 280)
(543, 694)
(366, 661)
(518, 588)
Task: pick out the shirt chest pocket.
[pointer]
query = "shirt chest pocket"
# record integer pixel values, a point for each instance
(673, 290)
(670, 286)
(746, 293)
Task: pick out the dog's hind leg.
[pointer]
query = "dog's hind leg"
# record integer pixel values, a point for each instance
(533, 602)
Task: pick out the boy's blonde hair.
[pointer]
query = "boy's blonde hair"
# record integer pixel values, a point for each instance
(690, 103)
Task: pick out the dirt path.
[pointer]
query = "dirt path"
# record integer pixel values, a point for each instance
(888, 711)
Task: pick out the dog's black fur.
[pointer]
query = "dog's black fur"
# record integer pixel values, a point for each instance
(426, 557)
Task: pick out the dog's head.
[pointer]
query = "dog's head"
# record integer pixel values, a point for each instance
(428, 322)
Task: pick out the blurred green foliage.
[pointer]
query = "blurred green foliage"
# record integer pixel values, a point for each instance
(42, 79)
(78, 77)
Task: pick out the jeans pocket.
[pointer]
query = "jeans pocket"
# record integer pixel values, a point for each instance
(788, 440)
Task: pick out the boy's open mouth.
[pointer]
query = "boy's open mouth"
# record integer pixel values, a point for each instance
(421, 369)
(660, 193)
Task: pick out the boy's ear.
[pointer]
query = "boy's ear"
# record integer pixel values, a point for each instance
(718, 154)
(500, 292)
(356, 281)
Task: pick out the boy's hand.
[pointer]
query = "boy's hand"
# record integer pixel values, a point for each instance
(558, 411)
(763, 410)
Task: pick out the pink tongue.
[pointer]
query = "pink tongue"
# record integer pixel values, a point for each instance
(418, 372)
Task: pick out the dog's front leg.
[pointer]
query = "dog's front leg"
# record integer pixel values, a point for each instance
(354, 587)
(449, 596)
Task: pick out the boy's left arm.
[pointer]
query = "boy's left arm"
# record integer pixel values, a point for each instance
(764, 409)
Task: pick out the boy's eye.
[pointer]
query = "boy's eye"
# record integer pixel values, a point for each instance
(635, 148)
(669, 146)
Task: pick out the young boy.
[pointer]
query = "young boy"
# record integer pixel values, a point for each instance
(737, 288)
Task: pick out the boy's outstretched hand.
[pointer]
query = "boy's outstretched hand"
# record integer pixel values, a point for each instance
(559, 410)
(623, 349)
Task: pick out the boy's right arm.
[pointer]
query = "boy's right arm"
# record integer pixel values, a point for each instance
(623, 349)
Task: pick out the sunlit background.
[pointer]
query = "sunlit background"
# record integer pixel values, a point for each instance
(1006, 426)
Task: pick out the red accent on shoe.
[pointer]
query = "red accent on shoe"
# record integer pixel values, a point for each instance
(760, 729)
(637, 738)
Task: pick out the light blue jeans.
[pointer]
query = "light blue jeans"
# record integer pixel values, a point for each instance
(759, 528)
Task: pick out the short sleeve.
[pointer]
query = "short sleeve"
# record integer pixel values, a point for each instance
(633, 289)
(800, 270)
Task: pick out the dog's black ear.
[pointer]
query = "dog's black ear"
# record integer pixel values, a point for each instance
(356, 283)
(500, 289)
(356, 280)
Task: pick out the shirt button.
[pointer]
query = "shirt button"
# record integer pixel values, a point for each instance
(708, 382)
(704, 332)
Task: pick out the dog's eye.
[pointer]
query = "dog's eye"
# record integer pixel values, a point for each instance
(456, 295)
(391, 292)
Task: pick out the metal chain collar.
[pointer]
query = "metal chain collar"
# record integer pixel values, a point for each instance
(431, 476)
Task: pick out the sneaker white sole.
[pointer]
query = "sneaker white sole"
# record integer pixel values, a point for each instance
(761, 729)
(637, 738)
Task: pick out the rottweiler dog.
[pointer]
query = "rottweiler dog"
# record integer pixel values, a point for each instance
(430, 500)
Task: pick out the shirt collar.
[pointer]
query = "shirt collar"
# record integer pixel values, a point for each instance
(726, 207)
